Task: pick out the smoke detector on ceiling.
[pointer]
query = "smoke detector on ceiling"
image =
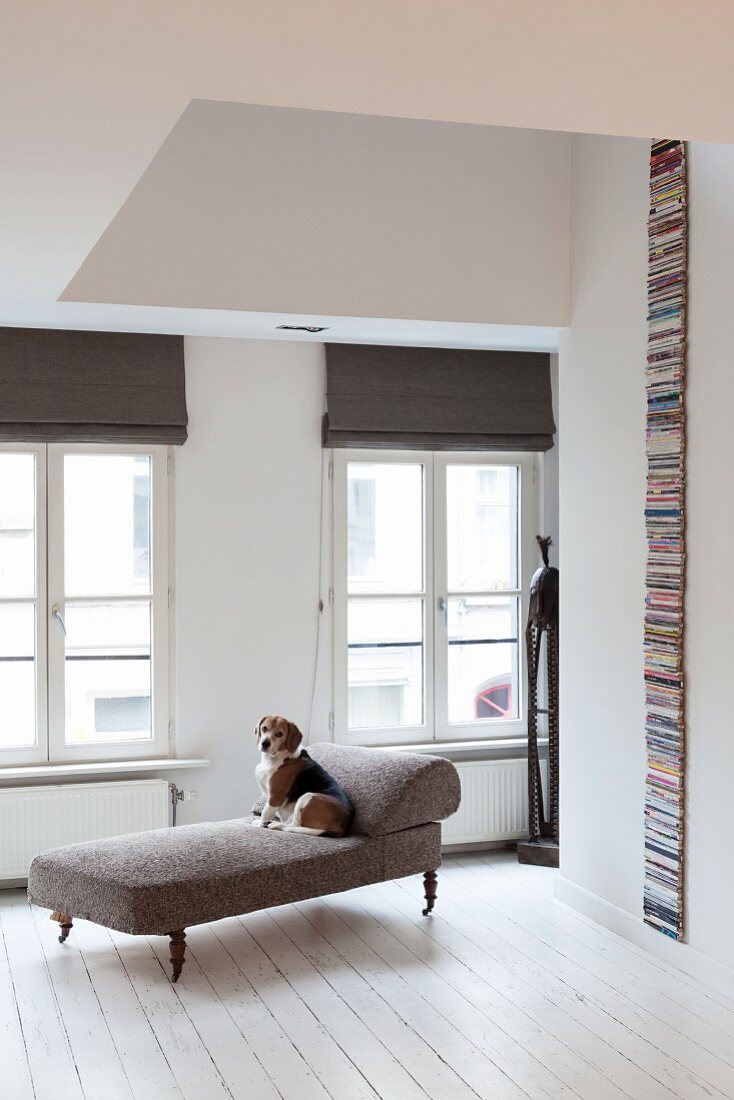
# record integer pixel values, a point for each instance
(304, 328)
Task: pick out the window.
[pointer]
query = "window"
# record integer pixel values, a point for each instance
(84, 620)
(432, 556)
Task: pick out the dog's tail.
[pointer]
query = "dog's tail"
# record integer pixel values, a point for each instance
(304, 829)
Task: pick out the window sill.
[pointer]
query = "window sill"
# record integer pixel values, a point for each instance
(101, 768)
(500, 748)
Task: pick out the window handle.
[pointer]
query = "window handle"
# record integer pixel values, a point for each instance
(443, 608)
(56, 612)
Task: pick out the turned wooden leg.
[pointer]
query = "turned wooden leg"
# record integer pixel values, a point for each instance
(65, 925)
(178, 947)
(431, 889)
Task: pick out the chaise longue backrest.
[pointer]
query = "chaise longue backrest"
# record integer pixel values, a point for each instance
(391, 790)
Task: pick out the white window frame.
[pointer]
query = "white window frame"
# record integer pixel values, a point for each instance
(435, 728)
(50, 651)
(38, 753)
(402, 734)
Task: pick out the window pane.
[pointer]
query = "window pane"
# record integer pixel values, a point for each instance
(17, 675)
(385, 663)
(482, 527)
(108, 677)
(17, 524)
(483, 658)
(385, 527)
(107, 524)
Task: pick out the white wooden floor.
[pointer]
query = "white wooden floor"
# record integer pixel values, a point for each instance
(502, 993)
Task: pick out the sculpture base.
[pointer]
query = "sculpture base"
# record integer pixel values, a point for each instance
(540, 853)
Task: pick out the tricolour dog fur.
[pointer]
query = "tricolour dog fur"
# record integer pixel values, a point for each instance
(300, 796)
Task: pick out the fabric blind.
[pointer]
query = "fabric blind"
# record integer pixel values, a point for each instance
(95, 387)
(437, 399)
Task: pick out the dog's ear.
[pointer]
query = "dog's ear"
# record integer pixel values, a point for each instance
(293, 737)
(258, 724)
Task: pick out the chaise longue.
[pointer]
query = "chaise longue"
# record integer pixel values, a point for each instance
(163, 881)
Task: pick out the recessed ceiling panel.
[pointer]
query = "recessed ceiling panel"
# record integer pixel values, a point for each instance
(280, 210)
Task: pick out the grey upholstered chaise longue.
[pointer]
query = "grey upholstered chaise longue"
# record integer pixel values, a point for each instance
(161, 882)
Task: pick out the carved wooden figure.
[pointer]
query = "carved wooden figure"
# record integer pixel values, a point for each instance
(543, 844)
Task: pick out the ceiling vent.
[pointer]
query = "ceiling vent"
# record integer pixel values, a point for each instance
(304, 328)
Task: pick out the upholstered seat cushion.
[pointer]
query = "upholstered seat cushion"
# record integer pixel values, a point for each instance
(155, 882)
(391, 790)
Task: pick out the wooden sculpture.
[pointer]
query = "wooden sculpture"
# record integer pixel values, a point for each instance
(542, 845)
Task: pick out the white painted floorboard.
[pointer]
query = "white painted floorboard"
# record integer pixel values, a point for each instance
(502, 993)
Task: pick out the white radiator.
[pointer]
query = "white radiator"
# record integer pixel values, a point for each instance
(494, 802)
(33, 819)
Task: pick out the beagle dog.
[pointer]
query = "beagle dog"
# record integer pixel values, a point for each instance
(305, 798)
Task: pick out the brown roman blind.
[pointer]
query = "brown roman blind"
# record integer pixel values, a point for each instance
(437, 399)
(97, 387)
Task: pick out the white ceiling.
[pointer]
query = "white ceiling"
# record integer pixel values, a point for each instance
(90, 91)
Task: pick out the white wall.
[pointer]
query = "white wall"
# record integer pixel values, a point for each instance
(247, 493)
(247, 507)
(549, 474)
(602, 477)
(710, 543)
(602, 471)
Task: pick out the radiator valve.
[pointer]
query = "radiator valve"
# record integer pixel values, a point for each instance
(178, 795)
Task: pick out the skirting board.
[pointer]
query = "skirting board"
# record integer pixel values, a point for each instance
(674, 953)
